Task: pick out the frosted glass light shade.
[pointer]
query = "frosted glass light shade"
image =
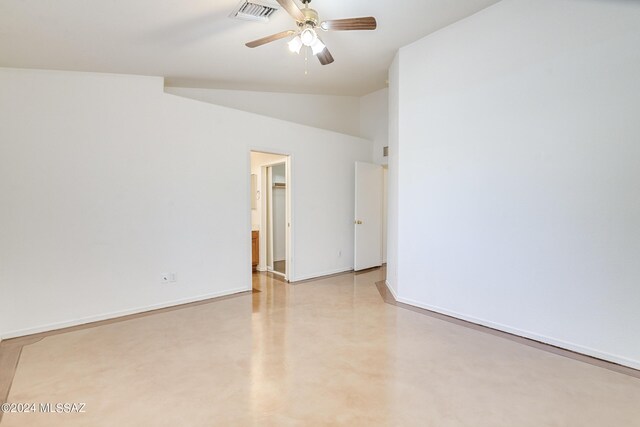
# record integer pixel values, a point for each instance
(295, 44)
(317, 47)
(308, 36)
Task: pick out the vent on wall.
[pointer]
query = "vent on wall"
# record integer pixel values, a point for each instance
(255, 10)
(385, 151)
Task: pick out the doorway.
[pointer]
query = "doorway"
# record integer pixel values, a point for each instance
(271, 213)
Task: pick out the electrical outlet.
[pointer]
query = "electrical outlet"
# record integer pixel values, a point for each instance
(339, 253)
(164, 278)
(173, 277)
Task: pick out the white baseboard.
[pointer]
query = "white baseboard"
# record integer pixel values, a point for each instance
(635, 364)
(321, 274)
(115, 314)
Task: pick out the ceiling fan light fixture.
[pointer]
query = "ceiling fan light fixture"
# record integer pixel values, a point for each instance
(317, 46)
(308, 24)
(295, 44)
(308, 36)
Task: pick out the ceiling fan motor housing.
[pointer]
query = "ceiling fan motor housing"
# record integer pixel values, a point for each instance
(310, 17)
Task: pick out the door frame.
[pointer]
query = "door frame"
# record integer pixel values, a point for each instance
(289, 209)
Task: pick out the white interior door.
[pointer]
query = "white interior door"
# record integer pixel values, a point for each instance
(368, 220)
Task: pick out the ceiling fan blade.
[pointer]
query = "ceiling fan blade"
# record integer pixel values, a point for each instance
(270, 38)
(367, 23)
(325, 57)
(293, 9)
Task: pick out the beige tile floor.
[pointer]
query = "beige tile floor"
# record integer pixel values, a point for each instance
(326, 352)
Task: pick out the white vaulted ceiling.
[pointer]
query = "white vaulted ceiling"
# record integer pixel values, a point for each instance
(194, 42)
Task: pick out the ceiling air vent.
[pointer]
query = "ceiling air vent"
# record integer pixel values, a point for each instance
(255, 10)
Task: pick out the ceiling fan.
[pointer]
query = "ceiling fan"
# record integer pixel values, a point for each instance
(306, 35)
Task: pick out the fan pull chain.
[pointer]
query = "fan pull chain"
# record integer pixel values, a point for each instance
(306, 61)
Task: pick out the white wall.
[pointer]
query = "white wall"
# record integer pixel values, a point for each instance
(106, 182)
(519, 169)
(336, 113)
(366, 116)
(374, 122)
(393, 219)
(374, 126)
